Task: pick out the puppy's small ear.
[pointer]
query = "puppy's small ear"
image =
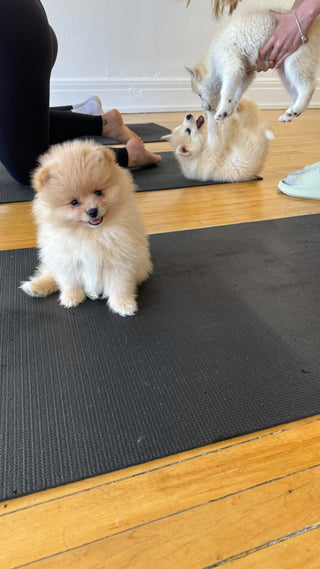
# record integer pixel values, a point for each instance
(102, 153)
(183, 151)
(195, 73)
(40, 177)
(166, 136)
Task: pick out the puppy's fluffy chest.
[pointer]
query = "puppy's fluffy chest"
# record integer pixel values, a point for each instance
(88, 256)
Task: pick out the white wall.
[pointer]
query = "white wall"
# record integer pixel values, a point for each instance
(132, 54)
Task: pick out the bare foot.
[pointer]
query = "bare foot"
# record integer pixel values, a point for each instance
(114, 127)
(138, 155)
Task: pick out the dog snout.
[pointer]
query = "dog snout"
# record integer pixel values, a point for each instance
(188, 120)
(92, 212)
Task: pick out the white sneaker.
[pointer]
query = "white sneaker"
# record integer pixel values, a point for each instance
(91, 106)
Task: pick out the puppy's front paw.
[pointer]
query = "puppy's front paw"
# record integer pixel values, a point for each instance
(125, 306)
(92, 295)
(29, 289)
(39, 286)
(72, 298)
(224, 111)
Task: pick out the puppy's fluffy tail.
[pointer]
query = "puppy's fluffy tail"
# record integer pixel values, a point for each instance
(269, 134)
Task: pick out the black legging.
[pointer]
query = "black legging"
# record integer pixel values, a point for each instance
(28, 49)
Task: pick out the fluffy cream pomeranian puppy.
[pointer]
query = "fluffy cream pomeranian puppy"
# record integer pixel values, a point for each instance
(232, 151)
(91, 238)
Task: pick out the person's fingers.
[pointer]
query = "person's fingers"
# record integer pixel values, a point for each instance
(271, 48)
(280, 61)
(268, 47)
(262, 65)
(259, 66)
(274, 14)
(276, 52)
(282, 56)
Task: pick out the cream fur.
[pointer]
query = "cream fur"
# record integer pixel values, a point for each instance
(231, 151)
(221, 79)
(81, 260)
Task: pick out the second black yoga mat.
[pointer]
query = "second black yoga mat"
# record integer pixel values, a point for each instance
(166, 175)
(148, 132)
(226, 342)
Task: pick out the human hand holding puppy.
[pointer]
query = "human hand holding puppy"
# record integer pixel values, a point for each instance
(291, 28)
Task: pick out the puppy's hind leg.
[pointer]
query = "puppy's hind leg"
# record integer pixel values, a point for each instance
(42, 284)
(300, 89)
(304, 96)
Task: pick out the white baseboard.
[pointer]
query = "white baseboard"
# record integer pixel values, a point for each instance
(143, 95)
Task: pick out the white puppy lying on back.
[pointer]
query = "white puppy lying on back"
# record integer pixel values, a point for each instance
(233, 151)
(221, 78)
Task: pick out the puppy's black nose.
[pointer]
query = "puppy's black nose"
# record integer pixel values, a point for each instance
(92, 212)
(188, 117)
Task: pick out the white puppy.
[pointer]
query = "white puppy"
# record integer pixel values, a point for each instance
(91, 237)
(221, 79)
(232, 151)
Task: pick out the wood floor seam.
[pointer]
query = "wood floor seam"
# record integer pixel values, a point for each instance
(266, 545)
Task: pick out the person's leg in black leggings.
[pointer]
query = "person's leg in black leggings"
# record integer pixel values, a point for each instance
(27, 53)
(26, 58)
(28, 48)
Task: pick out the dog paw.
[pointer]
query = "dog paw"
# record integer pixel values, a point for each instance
(72, 298)
(288, 116)
(224, 112)
(28, 288)
(92, 295)
(123, 306)
(40, 286)
(220, 116)
(285, 118)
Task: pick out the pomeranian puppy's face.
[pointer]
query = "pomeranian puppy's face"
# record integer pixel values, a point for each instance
(187, 139)
(204, 87)
(79, 183)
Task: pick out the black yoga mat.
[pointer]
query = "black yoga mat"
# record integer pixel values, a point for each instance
(162, 176)
(148, 132)
(226, 342)
(11, 191)
(166, 175)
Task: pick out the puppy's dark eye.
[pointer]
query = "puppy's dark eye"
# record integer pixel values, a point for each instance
(74, 203)
(98, 192)
(188, 131)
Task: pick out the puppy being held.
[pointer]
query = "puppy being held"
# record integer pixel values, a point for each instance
(232, 151)
(91, 238)
(222, 78)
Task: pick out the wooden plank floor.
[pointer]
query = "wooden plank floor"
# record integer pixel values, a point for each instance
(247, 503)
